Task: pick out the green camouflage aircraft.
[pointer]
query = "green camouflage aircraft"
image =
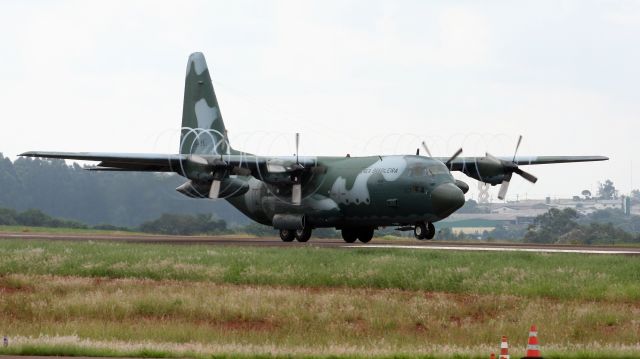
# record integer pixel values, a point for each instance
(296, 194)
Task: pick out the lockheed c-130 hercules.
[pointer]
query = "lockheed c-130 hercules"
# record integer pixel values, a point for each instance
(296, 194)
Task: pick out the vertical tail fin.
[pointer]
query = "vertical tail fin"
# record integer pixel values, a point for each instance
(203, 130)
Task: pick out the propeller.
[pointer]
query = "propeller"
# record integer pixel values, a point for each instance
(219, 173)
(426, 149)
(452, 158)
(218, 170)
(510, 168)
(296, 190)
(297, 146)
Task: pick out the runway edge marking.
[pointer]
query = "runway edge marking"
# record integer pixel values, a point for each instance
(502, 249)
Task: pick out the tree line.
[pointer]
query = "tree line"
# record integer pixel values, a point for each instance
(70, 192)
(564, 226)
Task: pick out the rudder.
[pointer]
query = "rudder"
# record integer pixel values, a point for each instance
(203, 130)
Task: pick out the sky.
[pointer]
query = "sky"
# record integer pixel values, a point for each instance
(357, 77)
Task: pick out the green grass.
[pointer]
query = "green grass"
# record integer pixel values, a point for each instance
(558, 276)
(152, 300)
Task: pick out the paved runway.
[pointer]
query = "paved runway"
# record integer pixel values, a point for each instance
(409, 244)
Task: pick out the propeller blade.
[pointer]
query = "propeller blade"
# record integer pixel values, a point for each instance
(517, 147)
(296, 194)
(504, 187)
(526, 175)
(455, 155)
(297, 145)
(195, 159)
(214, 192)
(426, 149)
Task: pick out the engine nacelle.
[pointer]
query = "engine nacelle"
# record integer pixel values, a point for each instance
(229, 187)
(288, 221)
(486, 169)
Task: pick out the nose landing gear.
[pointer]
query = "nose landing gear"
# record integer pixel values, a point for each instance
(424, 231)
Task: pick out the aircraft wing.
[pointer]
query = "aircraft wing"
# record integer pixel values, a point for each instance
(119, 161)
(242, 163)
(461, 162)
(498, 170)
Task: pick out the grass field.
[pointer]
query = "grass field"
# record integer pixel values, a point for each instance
(60, 230)
(161, 300)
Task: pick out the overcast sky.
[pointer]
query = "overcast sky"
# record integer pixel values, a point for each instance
(359, 77)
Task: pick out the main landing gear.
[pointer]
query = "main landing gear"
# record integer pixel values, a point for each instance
(350, 235)
(287, 235)
(424, 231)
(301, 235)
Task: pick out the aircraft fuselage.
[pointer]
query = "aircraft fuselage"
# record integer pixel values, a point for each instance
(361, 191)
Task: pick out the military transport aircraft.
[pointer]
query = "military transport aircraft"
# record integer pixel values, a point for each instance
(296, 194)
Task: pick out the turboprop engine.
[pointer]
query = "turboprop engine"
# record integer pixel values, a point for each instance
(492, 170)
(229, 187)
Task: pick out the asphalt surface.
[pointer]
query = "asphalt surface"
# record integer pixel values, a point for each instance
(409, 244)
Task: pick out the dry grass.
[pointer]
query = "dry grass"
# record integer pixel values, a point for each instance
(129, 315)
(196, 301)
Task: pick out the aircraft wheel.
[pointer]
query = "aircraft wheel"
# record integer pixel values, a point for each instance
(287, 235)
(420, 231)
(365, 235)
(349, 235)
(431, 231)
(303, 235)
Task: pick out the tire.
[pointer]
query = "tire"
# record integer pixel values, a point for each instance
(431, 231)
(303, 235)
(420, 231)
(365, 235)
(287, 235)
(349, 235)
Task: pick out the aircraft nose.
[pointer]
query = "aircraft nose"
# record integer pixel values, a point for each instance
(446, 199)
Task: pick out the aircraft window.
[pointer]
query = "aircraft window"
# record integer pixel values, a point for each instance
(437, 170)
(418, 171)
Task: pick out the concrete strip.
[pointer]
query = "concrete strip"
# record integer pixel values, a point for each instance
(581, 250)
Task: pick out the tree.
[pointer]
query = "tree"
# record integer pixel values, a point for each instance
(587, 194)
(509, 232)
(549, 227)
(607, 190)
(178, 224)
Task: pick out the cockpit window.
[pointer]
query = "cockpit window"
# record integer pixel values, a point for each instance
(422, 171)
(418, 172)
(437, 170)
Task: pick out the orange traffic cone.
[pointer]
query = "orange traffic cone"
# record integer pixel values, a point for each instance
(504, 349)
(533, 348)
